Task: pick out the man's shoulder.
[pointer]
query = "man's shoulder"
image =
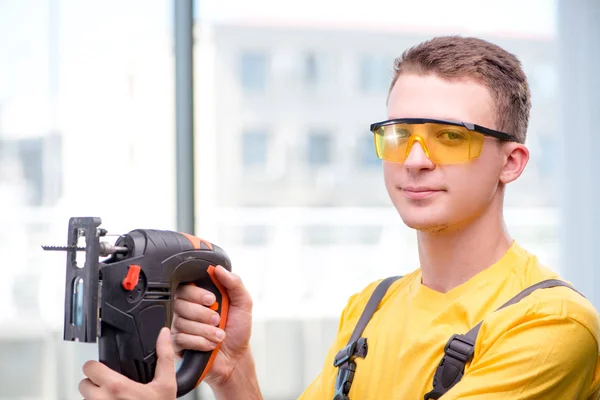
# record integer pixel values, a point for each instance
(564, 301)
(553, 303)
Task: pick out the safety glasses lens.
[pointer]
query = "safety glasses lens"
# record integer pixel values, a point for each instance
(443, 144)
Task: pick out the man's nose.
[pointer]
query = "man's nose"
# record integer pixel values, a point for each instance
(417, 157)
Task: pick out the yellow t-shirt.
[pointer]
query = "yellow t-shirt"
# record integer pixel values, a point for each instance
(544, 347)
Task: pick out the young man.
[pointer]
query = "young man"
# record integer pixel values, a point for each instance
(447, 181)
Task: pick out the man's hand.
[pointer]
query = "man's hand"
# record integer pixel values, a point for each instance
(102, 383)
(195, 325)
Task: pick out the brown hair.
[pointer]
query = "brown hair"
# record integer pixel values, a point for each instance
(455, 57)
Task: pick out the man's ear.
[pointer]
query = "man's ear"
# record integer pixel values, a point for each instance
(516, 156)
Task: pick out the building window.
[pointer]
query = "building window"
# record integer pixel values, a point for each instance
(311, 70)
(545, 81)
(317, 70)
(366, 151)
(360, 235)
(31, 154)
(318, 235)
(375, 74)
(320, 147)
(254, 71)
(255, 235)
(255, 146)
(39, 160)
(549, 156)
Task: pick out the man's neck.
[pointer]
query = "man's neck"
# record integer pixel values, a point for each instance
(449, 259)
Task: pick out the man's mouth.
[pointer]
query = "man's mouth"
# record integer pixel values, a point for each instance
(419, 192)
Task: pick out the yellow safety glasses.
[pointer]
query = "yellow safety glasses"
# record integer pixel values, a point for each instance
(444, 142)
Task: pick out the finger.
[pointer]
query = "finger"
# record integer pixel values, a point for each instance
(238, 295)
(195, 312)
(195, 294)
(183, 341)
(117, 386)
(213, 320)
(209, 332)
(165, 364)
(98, 373)
(89, 391)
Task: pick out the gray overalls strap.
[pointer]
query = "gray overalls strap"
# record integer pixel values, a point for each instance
(357, 346)
(459, 349)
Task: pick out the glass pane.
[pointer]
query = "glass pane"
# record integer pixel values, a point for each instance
(254, 148)
(86, 129)
(253, 71)
(319, 149)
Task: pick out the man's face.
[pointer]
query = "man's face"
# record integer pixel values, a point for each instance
(432, 197)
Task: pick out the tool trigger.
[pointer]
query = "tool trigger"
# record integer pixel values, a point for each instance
(132, 277)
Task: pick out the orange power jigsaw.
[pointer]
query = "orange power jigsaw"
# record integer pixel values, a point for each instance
(123, 301)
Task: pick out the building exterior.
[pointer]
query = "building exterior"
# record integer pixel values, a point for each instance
(294, 104)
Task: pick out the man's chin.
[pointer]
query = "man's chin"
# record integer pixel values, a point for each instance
(425, 223)
(429, 227)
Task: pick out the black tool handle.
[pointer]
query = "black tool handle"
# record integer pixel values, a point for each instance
(196, 364)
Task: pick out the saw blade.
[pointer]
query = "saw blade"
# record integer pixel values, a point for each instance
(63, 248)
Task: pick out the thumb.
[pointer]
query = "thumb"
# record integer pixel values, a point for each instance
(165, 365)
(238, 295)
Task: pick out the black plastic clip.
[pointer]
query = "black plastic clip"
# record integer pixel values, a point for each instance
(460, 347)
(457, 353)
(344, 361)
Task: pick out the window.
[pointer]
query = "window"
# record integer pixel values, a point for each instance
(375, 74)
(318, 235)
(255, 235)
(311, 73)
(319, 148)
(39, 161)
(366, 151)
(545, 81)
(255, 148)
(549, 156)
(31, 155)
(316, 71)
(360, 235)
(253, 71)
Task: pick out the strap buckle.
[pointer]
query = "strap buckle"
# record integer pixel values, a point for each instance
(344, 380)
(458, 351)
(354, 349)
(344, 361)
(460, 347)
